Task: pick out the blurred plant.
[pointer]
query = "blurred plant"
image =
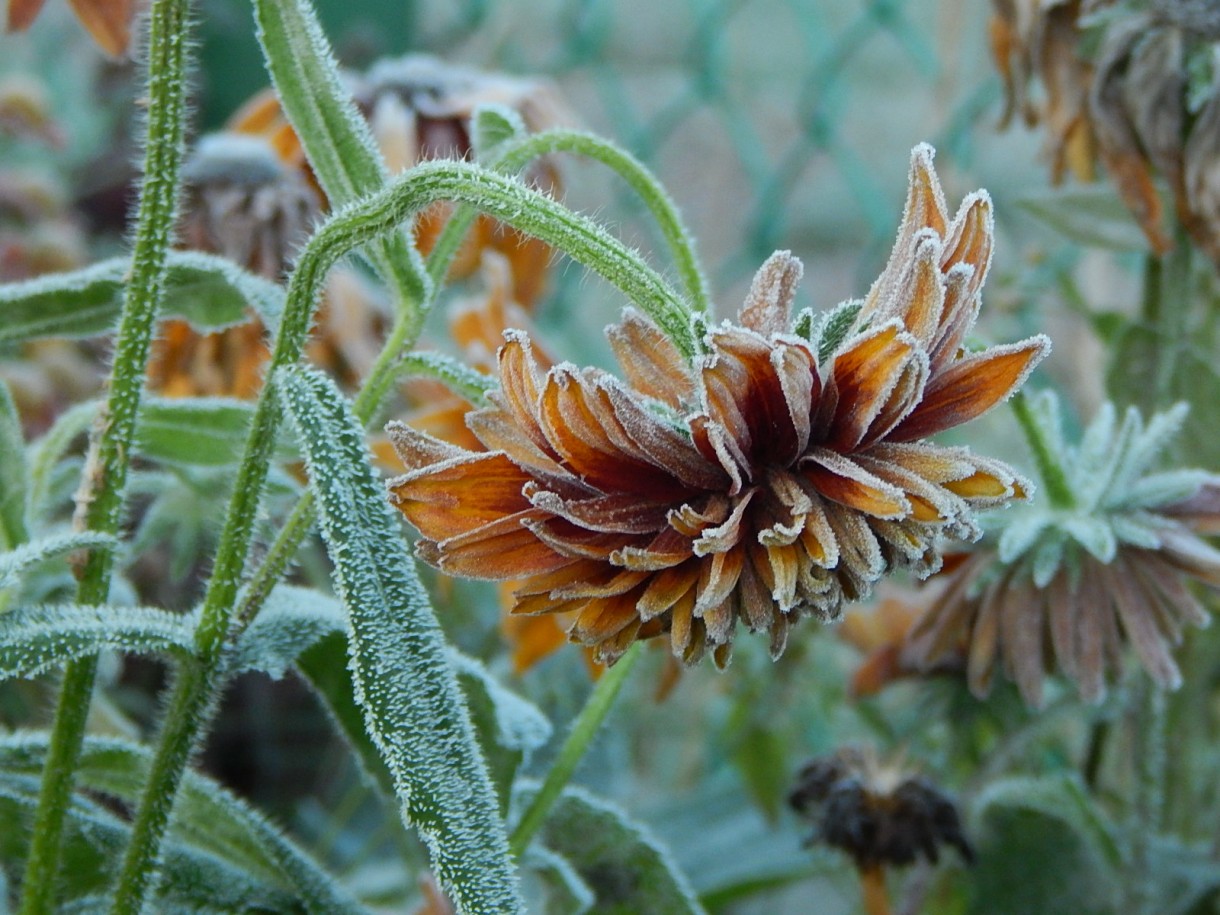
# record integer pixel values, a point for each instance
(1132, 82)
(882, 815)
(108, 21)
(1106, 561)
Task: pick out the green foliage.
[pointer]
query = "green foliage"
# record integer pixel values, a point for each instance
(34, 640)
(210, 820)
(14, 488)
(291, 622)
(16, 561)
(195, 431)
(1053, 828)
(412, 703)
(618, 861)
(208, 291)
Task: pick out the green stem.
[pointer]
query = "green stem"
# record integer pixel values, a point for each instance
(187, 712)
(638, 177)
(1054, 478)
(598, 705)
(1149, 749)
(102, 489)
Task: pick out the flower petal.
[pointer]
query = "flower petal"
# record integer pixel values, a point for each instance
(650, 361)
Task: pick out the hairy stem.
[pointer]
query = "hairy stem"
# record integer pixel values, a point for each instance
(587, 723)
(100, 500)
(1050, 469)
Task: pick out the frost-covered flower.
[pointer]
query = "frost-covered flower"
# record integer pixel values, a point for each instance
(781, 474)
(1068, 586)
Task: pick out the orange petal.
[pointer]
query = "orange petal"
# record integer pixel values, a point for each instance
(458, 495)
(21, 13)
(844, 481)
(499, 550)
(650, 361)
(971, 386)
(863, 376)
(108, 21)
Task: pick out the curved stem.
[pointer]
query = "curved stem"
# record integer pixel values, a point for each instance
(100, 500)
(639, 178)
(597, 706)
(1049, 467)
(872, 887)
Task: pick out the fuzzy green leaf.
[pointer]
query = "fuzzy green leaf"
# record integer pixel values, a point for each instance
(1094, 534)
(210, 292)
(208, 818)
(413, 705)
(196, 431)
(620, 861)
(833, 326)
(325, 666)
(566, 892)
(36, 639)
(1049, 827)
(13, 481)
(460, 378)
(508, 726)
(337, 140)
(15, 561)
(491, 127)
(291, 621)
(190, 880)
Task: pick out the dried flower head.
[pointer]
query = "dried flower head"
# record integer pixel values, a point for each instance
(107, 21)
(243, 202)
(1068, 586)
(1147, 103)
(880, 815)
(1041, 37)
(421, 108)
(781, 474)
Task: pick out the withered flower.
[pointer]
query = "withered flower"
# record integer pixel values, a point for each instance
(107, 21)
(420, 108)
(1068, 587)
(1041, 38)
(782, 474)
(881, 815)
(1146, 102)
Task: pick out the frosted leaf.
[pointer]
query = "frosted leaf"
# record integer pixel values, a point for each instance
(492, 126)
(195, 431)
(209, 291)
(13, 484)
(413, 706)
(1020, 533)
(15, 561)
(564, 888)
(1094, 534)
(624, 865)
(1160, 489)
(292, 620)
(833, 327)
(36, 639)
(207, 817)
(190, 880)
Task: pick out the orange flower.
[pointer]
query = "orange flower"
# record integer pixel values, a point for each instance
(778, 476)
(108, 21)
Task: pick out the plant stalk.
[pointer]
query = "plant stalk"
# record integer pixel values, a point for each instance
(1050, 469)
(1149, 767)
(587, 723)
(103, 485)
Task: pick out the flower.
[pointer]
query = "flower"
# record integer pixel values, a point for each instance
(880, 815)
(1068, 586)
(108, 21)
(420, 108)
(780, 475)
